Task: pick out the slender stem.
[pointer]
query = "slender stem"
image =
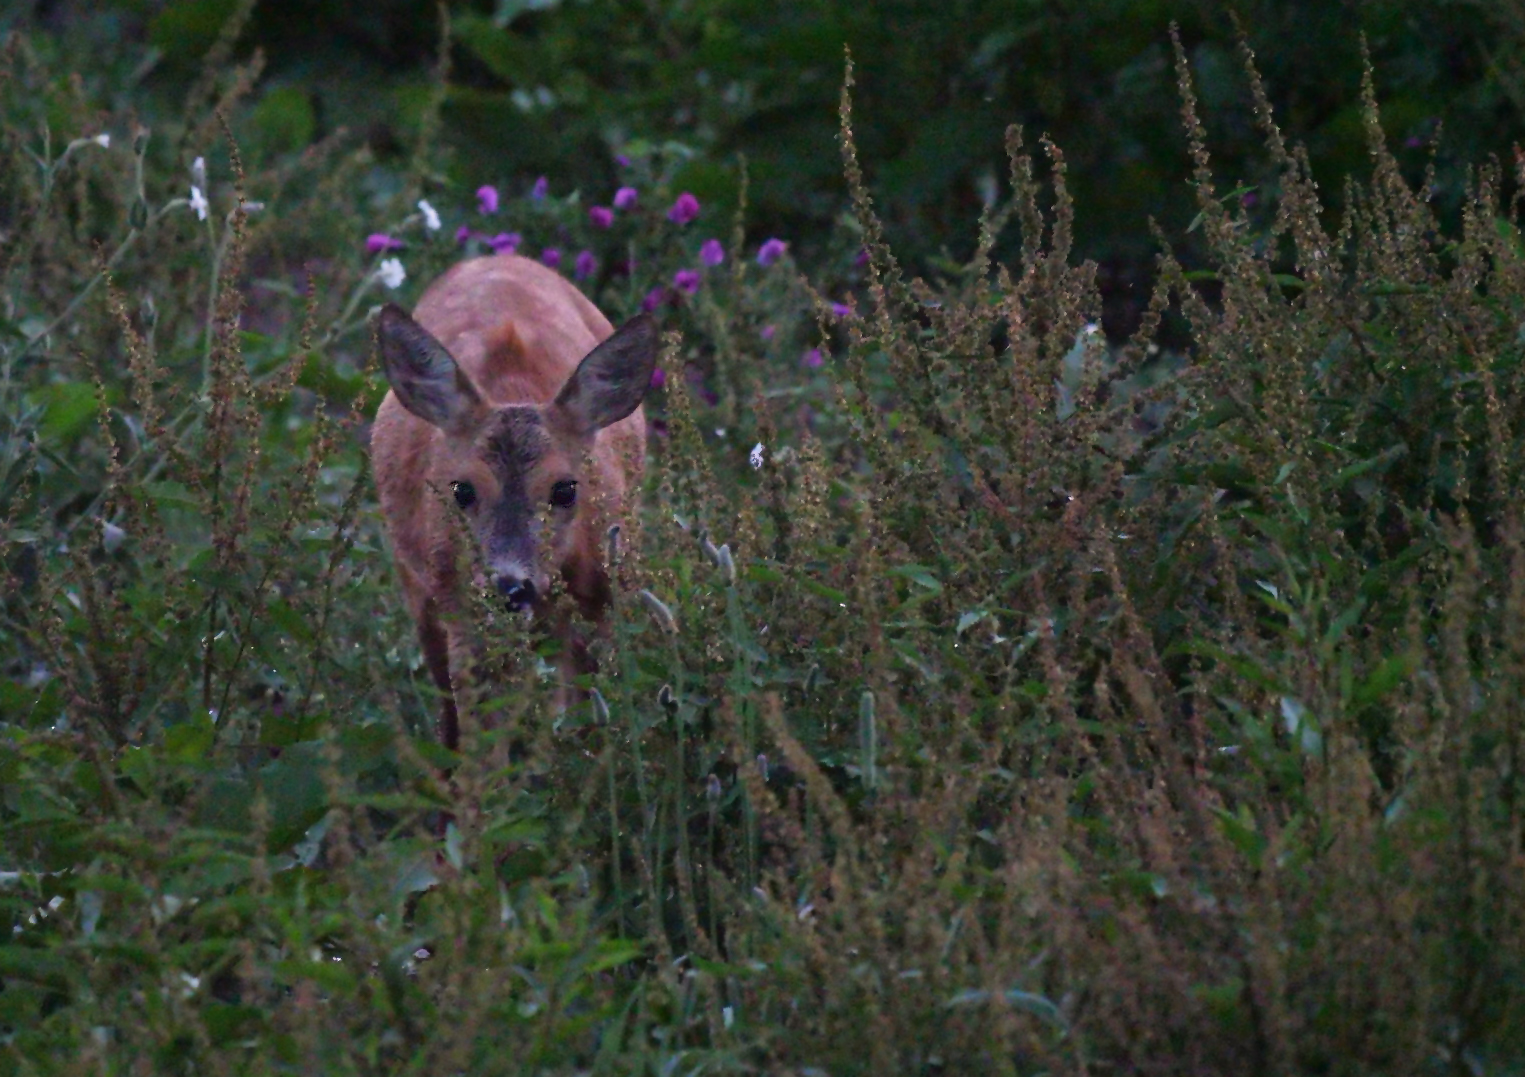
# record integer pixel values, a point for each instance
(339, 328)
(133, 235)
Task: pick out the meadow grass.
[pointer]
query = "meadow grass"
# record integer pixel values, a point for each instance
(988, 698)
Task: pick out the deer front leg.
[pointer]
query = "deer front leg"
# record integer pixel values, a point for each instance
(436, 646)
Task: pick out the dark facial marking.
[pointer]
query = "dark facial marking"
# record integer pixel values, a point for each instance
(515, 441)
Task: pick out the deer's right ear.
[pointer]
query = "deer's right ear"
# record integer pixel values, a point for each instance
(425, 378)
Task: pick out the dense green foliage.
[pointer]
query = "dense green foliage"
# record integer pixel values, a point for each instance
(981, 696)
(554, 87)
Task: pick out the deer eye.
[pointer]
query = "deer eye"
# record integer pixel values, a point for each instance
(465, 494)
(564, 494)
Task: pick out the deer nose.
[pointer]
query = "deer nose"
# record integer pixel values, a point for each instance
(519, 593)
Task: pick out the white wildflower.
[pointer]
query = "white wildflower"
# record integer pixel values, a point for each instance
(756, 457)
(199, 173)
(199, 203)
(391, 273)
(431, 215)
(102, 140)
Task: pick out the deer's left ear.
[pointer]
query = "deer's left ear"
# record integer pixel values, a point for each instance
(612, 380)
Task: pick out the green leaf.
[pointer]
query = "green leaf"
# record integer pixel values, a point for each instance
(285, 617)
(189, 741)
(1343, 623)
(172, 493)
(815, 587)
(1389, 674)
(296, 793)
(67, 409)
(919, 574)
(1241, 832)
(1026, 1001)
(612, 953)
(968, 620)
(511, 57)
(761, 573)
(1301, 726)
(1361, 467)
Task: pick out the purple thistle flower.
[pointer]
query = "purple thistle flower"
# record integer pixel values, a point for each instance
(462, 234)
(586, 265)
(653, 299)
(625, 197)
(621, 160)
(600, 216)
(686, 281)
(487, 198)
(1248, 199)
(505, 242)
(771, 251)
(684, 209)
(813, 358)
(377, 242)
(842, 310)
(658, 378)
(551, 257)
(712, 253)
(538, 191)
(768, 331)
(862, 258)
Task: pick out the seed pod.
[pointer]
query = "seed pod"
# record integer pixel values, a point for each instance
(727, 564)
(659, 612)
(667, 699)
(112, 536)
(709, 550)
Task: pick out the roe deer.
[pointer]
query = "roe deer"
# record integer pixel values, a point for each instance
(511, 402)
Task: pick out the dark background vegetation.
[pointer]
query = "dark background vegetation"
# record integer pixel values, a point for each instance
(553, 87)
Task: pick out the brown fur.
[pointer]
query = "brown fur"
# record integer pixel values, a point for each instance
(518, 331)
